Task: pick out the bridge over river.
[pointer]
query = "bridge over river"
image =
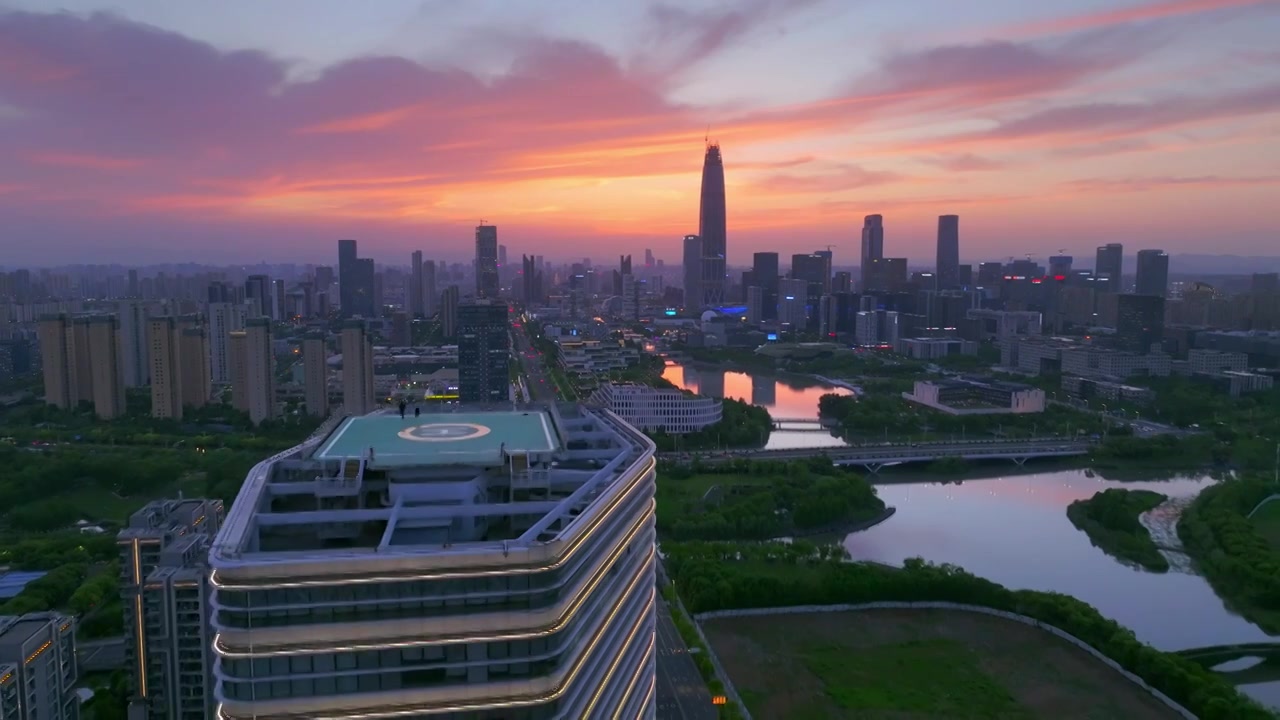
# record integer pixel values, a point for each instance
(1264, 668)
(875, 457)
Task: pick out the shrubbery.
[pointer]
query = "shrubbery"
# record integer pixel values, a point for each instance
(741, 425)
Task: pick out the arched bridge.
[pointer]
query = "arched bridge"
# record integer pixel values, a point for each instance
(875, 457)
(1267, 669)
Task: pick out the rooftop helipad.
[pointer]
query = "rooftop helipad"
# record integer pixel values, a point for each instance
(439, 438)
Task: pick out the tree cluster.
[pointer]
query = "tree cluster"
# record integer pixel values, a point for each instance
(775, 500)
(716, 576)
(34, 487)
(47, 593)
(1110, 519)
(1231, 553)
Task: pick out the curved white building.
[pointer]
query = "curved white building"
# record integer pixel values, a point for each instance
(463, 565)
(649, 408)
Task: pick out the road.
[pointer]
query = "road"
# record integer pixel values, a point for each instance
(681, 692)
(541, 386)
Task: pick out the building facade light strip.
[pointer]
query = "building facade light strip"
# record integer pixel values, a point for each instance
(490, 571)
(220, 648)
(634, 682)
(548, 696)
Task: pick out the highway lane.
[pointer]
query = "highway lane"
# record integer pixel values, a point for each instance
(681, 692)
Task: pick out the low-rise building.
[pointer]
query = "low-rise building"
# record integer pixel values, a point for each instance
(974, 396)
(1114, 363)
(589, 357)
(1216, 361)
(648, 408)
(1004, 324)
(1237, 383)
(1090, 387)
(932, 348)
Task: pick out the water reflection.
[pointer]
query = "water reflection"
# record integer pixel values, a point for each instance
(1015, 531)
(784, 397)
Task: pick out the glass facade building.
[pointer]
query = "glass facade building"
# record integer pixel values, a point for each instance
(470, 565)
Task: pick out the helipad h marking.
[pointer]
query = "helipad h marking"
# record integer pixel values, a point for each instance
(444, 432)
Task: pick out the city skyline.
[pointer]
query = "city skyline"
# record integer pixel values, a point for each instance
(175, 135)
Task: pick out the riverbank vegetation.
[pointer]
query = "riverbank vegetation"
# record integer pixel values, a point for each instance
(1231, 552)
(761, 500)
(717, 576)
(742, 425)
(1110, 519)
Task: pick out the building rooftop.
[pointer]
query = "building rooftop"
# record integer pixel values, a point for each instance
(439, 438)
(444, 483)
(12, 583)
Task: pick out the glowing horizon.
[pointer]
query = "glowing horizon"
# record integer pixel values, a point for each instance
(232, 133)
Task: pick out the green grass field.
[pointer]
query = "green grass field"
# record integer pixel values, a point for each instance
(1267, 521)
(906, 664)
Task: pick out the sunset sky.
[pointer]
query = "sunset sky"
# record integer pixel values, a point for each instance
(146, 131)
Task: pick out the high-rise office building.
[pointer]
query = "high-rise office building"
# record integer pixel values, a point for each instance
(164, 589)
(165, 360)
(765, 273)
(430, 300)
(107, 377)
(872, 248)
(355, 282)
(38, 667)
(132, 315)
(193, 349)
(692, 271)
(414, 293)
(253, 388)
(347, 256)
(793, 297)
(712, 227)
(487, 261)
(447, 582)
(1139, 321)
(826, 269)
(449, 300)
(948, 256)
(842, 282)
(279, 304)
(1152, 276)
(484, 352)
(357, 369)
(224, 318)
(648, 257)
(257, 295)
(57, 356)
(1060, 265)
(315, 373)
(1110, 264)
(531, 279)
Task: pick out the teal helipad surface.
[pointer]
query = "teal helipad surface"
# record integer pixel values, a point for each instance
(440, 438)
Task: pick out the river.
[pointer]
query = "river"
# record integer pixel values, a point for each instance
(1014, 530)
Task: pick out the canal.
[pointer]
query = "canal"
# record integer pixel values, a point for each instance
(1013, 529)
